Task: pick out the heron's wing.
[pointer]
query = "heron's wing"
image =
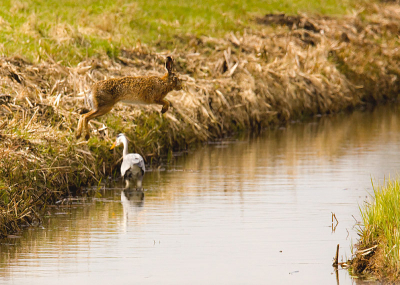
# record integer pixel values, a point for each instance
(141, 162)
(131, 160)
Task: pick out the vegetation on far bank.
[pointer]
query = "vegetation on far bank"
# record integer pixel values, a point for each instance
(252, 72)
(378, 249)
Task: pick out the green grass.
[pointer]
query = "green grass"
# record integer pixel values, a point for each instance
(70, 30)
(381, 221)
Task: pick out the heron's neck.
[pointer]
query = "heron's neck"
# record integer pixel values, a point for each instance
(125, 142)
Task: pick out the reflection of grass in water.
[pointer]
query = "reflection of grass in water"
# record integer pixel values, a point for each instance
(381, 225)
(72, 30)
(64, 230)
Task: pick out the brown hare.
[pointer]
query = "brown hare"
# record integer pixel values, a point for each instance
(132, 90)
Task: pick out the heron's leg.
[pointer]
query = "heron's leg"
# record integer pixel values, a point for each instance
(127, 184)
(139, 183)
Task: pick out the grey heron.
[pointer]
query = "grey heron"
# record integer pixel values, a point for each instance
(132, 167)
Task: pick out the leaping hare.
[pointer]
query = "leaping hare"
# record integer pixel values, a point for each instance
(132, 90)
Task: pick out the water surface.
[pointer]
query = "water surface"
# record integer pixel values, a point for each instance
(253, 211)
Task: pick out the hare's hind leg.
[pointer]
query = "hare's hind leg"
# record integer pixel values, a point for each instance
(79, 128)
(91, 115)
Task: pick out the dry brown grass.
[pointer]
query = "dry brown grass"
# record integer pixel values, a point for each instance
(243, 81)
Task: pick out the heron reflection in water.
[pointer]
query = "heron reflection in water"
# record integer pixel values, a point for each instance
(132, 204)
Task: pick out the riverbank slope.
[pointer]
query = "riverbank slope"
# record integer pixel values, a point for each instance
(275, 69)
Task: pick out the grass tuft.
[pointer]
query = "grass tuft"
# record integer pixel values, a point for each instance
(379, 244)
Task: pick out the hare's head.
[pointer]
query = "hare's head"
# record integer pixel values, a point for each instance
(173, 78)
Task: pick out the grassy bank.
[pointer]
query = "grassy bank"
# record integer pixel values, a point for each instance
(379, 244)
(71, 31)
(266, 70)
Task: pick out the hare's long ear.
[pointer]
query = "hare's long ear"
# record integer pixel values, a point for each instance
(168, 64)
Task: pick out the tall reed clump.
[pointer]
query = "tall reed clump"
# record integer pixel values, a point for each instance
(378, 249)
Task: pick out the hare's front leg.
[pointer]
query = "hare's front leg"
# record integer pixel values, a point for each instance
(166, 104)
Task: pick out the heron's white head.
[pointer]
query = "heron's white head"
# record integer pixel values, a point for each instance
(121, 139)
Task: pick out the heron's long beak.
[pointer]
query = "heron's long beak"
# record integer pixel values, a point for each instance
(112, 146)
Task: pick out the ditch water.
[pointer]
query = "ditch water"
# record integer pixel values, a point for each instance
(254, 211)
